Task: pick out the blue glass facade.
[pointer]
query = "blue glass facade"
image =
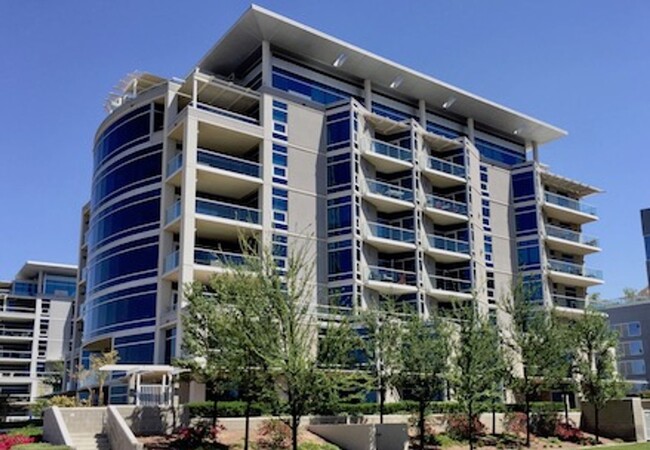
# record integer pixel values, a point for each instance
(123, 234)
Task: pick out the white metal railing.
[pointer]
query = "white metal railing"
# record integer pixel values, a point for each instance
(574, 269)
(570, 235)
(392, 233)
(451, 284)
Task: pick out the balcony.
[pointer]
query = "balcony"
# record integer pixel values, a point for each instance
(171, 261)
(390, 281)
(447, 250)
(446, 288)
(174, 164)
(443, 173)
(387, 158)
(566, 304)
(445, 211)
(573, 274)
(211, 261)
(227, 175)
(15, 355)
(16, 334)
(389, 239)
(218, 220)
(388, 197)
(173, 212)
(569, 241)
(568, 209)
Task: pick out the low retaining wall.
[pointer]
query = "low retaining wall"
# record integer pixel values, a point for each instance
(364, 436)
(84, 420)
(622, 419)
(119, 434)
(151, 420)
(55, 430)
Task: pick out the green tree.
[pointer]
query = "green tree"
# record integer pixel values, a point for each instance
(55, 373)
(537, 347)
(478, 363)
(381, 329)
(424, 349)
(595, 362)
(97, 361)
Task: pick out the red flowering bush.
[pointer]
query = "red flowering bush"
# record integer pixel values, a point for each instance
(458, 426)
(568, 432)
(8, 441)
(198, 437)
(274, 434)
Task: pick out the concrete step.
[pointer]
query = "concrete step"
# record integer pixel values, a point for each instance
(90, 441)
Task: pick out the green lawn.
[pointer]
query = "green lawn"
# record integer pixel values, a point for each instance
(624, 447)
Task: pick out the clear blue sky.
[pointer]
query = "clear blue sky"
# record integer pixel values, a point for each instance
(581, 65)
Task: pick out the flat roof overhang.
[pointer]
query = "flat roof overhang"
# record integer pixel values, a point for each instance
(258, 24)
(32, 268)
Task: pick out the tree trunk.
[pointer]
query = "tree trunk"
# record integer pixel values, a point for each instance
(597, 430)
(527, 420)
(382, 399)
(247, 424)
(566, 408)
(100, 395)
(295, 422)
(214, 410)
(494, 418)
(422, 423)
(470, 426)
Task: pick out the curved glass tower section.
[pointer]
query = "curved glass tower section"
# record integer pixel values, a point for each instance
(122, 238)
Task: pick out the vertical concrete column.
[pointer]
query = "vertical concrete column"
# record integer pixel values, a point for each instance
(266, 159)
(188, 211)
(470, 129)
(422, 113)
(535, 151)
(367, 94)
(267, 65)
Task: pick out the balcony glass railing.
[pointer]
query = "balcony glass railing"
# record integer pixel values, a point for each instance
(24, 288)
(391, 150)
(388, 275)
(393, 233)
(570, 235)
(16, 354)
(451, 284)
(226, 113)
(16, 332)
(171, 261)
(174, 164)
(447, 167)
(565, 301)
(574, 269)
(17, 309)
(218, 258)
(229, 163)
(445, 204)
(390, 190)
(227, 211)
(569, 203)
(173, 212)
(448, 244)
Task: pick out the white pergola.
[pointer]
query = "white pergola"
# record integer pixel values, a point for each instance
(152, 384)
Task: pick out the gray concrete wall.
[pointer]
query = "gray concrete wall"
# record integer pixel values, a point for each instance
(119, 434)
(622, 419)
(55, 430)
(348, 437)
(84, 420)
(150, 420)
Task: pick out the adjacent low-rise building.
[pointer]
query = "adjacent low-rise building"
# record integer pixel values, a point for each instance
(35, 332)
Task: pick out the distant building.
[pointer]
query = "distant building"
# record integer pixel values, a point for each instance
(35, 332)
(645, 226)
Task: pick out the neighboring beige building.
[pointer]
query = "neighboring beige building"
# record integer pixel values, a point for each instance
(35, 332)
(401, 185)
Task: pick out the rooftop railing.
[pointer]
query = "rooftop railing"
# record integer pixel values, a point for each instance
(390, 190)
(390, 232)
(570, 235)
(447, 167)
(445, 204)
(570, 203)
(574, 269)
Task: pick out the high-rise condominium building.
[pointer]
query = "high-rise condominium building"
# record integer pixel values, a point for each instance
(401, 185)
(35, 332)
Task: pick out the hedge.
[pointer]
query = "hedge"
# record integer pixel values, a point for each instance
(227, 409)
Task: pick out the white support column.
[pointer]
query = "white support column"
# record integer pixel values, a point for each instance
(422, 113)
(535, 152)
(195, 88)
(470, 129)
(367, 94)
(138, 388)
(267, 65)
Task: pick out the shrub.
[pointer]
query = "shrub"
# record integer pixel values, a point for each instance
(199, 437)
(544, 423)
(8, 441)
(568, 432)
(63, 401)
(228, 409)
(430, 435)
(274, 434)
(28, 430)
(40, 446)
(458, 426)
(515, 423)
(315, 446)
